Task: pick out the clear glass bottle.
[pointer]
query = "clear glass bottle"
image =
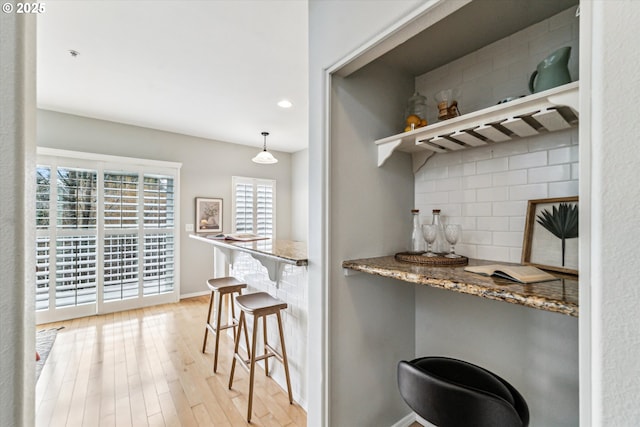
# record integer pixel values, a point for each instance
(440, 245)
(415, 115)
(417, 241)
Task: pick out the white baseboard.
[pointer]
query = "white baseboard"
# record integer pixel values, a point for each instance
(406, 421)
(410, 419)
(194, 294)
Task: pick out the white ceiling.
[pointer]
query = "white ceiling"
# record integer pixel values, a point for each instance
(213, 69)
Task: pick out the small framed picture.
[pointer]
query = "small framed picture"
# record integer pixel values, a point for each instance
(551, 234)
(208, 215)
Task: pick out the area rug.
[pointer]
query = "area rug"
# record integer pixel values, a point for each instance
(44, 341)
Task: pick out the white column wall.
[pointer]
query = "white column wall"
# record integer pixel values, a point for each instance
(17, 216)
(615, 223)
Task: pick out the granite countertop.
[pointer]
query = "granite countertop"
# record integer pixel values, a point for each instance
(287, 251)
(559, 295)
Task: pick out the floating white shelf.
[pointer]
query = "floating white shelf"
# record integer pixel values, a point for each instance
(552, 110)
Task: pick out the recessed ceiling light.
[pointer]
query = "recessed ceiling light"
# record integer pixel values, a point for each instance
(285, 103)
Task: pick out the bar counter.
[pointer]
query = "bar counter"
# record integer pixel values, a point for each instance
(559, 295)
(286, 251)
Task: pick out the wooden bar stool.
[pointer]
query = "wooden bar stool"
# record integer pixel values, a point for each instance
(222, 286)
(260, 304)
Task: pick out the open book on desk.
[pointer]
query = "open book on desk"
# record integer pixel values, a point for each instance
(518, 273)
(240, 237)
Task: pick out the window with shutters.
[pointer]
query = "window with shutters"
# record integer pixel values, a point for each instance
(104, 234)
(254, 206)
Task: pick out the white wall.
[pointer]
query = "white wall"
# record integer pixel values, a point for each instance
(615, 201)
(502, 69)
(292, 289)
(17, 192)
(300, 196)
(207, 167)
(486, 189)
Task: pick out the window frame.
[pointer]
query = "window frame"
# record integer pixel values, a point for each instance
(55, 158)
(254, 182)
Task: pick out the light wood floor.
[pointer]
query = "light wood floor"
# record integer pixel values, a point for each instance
(145, 367)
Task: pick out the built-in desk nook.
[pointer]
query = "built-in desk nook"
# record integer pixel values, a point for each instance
(278, 267)
(559, 296)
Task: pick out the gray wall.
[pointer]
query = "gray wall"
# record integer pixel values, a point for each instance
(372, 319)
(536, 351)
(353, 383)
(207, 167)
(300, 195)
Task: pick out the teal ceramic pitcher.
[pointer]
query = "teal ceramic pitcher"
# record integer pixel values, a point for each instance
(552, 71)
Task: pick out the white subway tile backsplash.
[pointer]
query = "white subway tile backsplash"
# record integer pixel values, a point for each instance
(477, 181)
(475, 154)
(550, 41)
(455, 170)
(486, 189)
(515, 255)
(493, 223)
(550, 173)
(516, 223)
(507, 238)
(437, 198)
(510, 178)
(467, 250)
(469, 169)
(476, 70)
(551, 140)
(424, 186)
(510, 148)
(476, 209)
(563, 189)
(439, 160)
(563, 155)
(492, 165)
(449, 184)
(477, 237)
(432, 172)
(527, 192)
(462, 196)
(518, 208)
(530, 160)
(493, 194)
(493, 253)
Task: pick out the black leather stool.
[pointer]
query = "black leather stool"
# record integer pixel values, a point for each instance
(453, 393)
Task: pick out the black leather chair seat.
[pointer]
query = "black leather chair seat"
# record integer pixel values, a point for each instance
(453, 393)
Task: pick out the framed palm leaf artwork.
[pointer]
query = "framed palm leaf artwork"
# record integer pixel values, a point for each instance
(551, 234)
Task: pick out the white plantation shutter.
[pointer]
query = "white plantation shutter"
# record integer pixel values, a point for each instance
(77, 198)
(264, 209)
(254, 206)
(120, 200)
(158, 264)
(243, 211)
(42, 273)
(106, 250)
(120, 267)
(158, 202)
(76, 275)
(43, 191)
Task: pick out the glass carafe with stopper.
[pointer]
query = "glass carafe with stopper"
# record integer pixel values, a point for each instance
(417, 241)
(440, 245)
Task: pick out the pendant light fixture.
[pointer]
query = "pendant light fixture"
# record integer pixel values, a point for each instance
(264, 157)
